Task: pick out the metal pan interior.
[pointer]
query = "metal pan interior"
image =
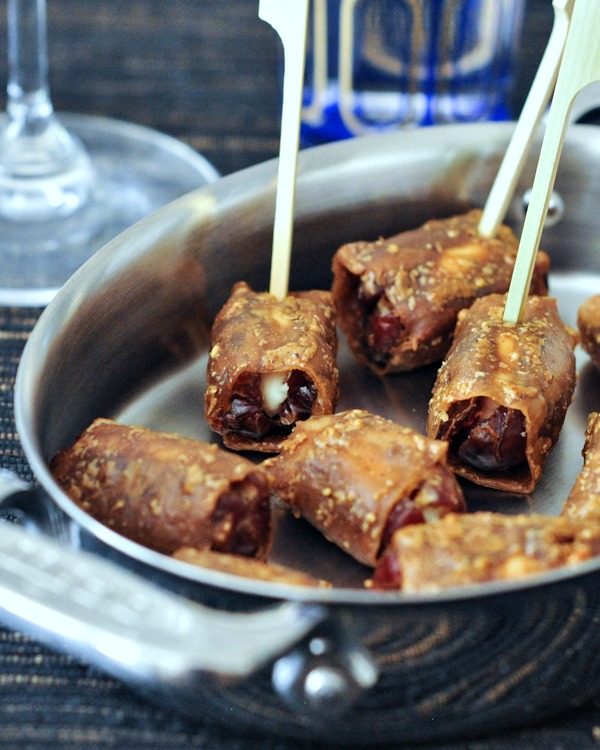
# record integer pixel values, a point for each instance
(127, 336)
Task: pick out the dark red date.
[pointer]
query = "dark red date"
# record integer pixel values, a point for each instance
(382, 329)
(241, 522)
(247, 417)
(387, 574)
(486, 443)
(382, 333)
(443, 496)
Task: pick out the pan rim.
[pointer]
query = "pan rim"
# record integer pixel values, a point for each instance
(267, 590)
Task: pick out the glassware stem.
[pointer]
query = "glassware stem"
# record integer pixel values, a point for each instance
(45, 172)
(72, 182)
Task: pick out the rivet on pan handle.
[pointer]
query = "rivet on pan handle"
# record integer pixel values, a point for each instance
(327, 673)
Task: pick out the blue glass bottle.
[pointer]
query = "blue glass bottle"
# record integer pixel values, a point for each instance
(375, 65)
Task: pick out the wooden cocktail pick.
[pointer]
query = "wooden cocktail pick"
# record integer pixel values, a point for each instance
(290, 19)
(579, 67)
(539, 95)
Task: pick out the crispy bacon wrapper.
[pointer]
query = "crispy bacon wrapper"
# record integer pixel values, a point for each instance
(358, 477)
(272, 363)
(502, 393)
(473, 548)
(247, 567)
(588, 322)
(165, 491)
(397, 299)
(584, 499)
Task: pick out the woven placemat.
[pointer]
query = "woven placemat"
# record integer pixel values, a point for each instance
(15, 326)
(50, 699)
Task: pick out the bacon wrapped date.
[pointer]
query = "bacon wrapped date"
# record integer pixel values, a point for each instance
(502, 393)
(474, 548)
(247, 567)
(397, 299)
(358, 477)
(584, 499)
(165, 491)
(588, 322)
(272, 363)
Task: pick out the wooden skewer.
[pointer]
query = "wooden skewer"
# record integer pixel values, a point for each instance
(290, 19)
(580, 66)
(539, 95)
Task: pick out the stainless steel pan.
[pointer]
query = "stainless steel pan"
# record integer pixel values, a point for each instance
(127, 337)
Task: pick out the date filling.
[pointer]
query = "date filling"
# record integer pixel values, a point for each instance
(485, 435)
(388, 573)
(382, 329)
(269, 403)
(436, 496)
(241, 520)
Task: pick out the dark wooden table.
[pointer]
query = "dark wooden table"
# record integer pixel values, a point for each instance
(204, 71)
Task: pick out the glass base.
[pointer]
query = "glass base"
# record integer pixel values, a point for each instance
(138, 171)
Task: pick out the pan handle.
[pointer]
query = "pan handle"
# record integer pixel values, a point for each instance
(129, 627)
(162, 644)
(117, 620)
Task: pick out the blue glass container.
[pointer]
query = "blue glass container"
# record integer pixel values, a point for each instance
(376, 65)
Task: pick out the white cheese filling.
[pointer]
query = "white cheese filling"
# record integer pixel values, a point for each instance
(274, 390)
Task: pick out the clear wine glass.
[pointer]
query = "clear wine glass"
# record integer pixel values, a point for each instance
(70, 183)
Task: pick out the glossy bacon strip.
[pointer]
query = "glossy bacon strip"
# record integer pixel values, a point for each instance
(254, 335)
(502, 393)
(461, 550)
(397, 299)
(584, 499)
(246, 567)
(358, 477)
(588, 321)
(165, 491)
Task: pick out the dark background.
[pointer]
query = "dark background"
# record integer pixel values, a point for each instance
(204, 71)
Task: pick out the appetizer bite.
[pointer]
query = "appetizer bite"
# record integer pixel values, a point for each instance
(247, 567)
(165, 491)
(584, 499)
(358, 477)
(588, 322)
(272, 364)
(502, 393)
(460, 550)
(397, 299)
